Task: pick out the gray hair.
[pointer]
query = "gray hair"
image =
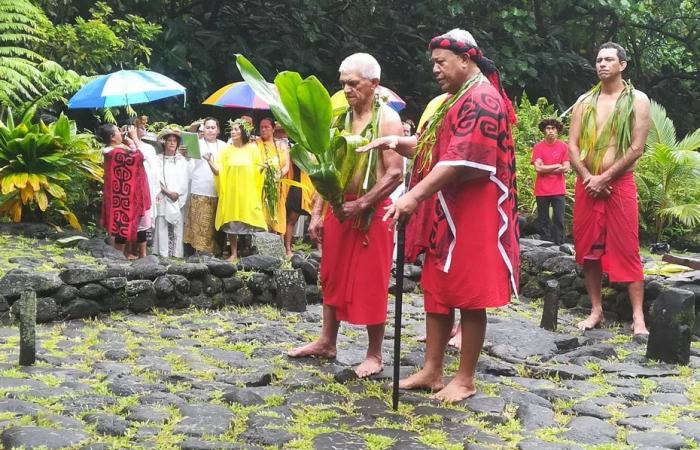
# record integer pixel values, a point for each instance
(364, 63)
(461, 35)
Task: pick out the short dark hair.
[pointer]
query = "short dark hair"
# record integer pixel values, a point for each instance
(621, 53)
(208, 118)
(269, 119)
(544, 123)
(105, 132)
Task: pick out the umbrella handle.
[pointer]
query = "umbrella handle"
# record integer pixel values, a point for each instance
(398, 303)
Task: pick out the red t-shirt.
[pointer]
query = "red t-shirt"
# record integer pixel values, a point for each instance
(555, 153)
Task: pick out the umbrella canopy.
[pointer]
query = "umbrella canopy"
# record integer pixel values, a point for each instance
(237, 95)
(338, 99)
(431, 109)
(125, 87)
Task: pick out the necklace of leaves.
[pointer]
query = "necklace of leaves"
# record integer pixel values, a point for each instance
(618, 124)
(429, 136)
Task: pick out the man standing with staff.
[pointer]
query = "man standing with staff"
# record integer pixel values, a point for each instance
(462, 208)
(356, 244)
(609, 127)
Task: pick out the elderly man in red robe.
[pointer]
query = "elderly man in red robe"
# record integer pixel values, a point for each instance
(356, 244)
(462, 208)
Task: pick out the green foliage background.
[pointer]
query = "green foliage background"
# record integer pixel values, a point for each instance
(544, 49)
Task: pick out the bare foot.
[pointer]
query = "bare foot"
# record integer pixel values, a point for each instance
(639, 328)
(593, 321)
(456, 340)
(422, 380)
(455, 391)
(316, 348)
(232, 259)
(369, 367)
(132, 257)
(455, 330)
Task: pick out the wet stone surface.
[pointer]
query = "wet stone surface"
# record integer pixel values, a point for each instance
(202, 379)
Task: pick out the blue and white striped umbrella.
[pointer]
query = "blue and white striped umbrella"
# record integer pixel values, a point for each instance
(125, 87)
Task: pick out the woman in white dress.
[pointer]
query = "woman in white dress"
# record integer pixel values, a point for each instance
(174, 172)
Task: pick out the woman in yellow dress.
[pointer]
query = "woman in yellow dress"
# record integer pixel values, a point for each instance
(276, 155)
(237, 173)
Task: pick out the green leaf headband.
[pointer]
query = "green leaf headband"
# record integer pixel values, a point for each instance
(244, 124)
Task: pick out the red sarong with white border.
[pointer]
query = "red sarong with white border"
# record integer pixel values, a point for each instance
(470, 238)
(126, 195)
(355, 267)
(607, 229)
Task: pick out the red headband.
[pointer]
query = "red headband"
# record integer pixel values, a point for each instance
(486, 66)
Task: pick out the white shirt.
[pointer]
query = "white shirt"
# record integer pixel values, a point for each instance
(202, 176)
(150, 164)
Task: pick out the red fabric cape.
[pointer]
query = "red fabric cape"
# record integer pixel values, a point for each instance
(125, 193)
(355, 276)
(475, 133)
(613, 222)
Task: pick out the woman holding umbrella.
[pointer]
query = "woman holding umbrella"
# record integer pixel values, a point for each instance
(239, 185)
(125, 194)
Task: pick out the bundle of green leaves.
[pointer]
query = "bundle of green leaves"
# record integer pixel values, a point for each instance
(303, 107)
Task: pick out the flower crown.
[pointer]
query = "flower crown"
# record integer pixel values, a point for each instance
(243, 124)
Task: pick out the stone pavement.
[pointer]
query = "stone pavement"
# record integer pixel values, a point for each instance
(198, 379)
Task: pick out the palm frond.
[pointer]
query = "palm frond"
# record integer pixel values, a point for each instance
(688, 214)
(691, 142)
(662, 130)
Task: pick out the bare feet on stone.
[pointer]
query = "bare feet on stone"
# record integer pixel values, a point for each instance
(595, 320)
(370, 366)
(639, 328)
(316, 349)
(455, 391)
(455, 330)
(456, 340)
(422, 380)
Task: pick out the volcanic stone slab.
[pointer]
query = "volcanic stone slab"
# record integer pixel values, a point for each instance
(242, 397)
(308, 269)
(291, 290)
(260, 263)
(200, 420)
(537, 444)
(27, 328)
(16, 281)
(655, 439)
(534, 417)
(109, 424)
(339, 440)
(671, 326)
(689, 429)
(32, 437)
(82, 275)
(589, 430)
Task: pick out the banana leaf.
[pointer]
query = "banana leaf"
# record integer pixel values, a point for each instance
(316, 114)
(303, 107)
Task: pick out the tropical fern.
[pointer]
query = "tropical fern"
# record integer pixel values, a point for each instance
(28, 79)
(668, 177)
(20, 76)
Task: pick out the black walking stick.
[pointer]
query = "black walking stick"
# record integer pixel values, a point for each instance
(398, 296)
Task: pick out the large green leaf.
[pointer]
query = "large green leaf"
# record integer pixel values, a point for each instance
(316, 114)
(287, 84)
(262, 89)
(301, 158)
(61, 128)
